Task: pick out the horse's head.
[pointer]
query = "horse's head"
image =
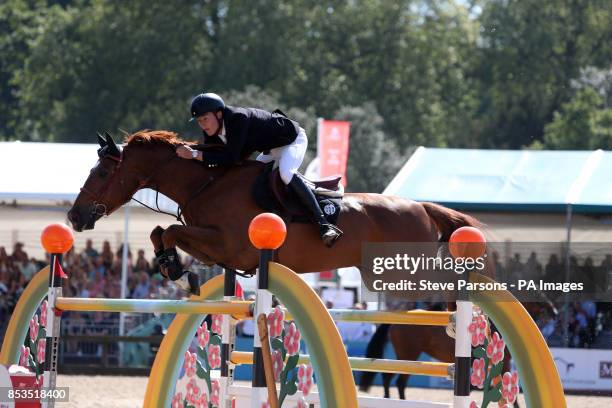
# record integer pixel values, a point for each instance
(111, 183)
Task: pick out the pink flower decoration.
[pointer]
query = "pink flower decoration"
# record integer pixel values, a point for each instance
(275, 322)
(277, 364)
(266, 404)
(203, 335)
(292, 339)
(301, 403)
(34, 326)
(192, 387)
(202, 402)
(193, 392)
(214, 395)
(473, 405)
(24, 357)
(177, 400)
(43, 314)
(510, 387)
(214, 356)
(217, 321)
(304, 378)
(40, 354)
(495, 349)
(478, 373)
(190, 364)
(478, 330)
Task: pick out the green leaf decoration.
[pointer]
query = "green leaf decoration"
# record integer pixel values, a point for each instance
(495, 394)
(479, 352)
(291, 388)
(276, 344)
(215, 340)
(497, 369)
(42, 333)
(201, 372)
(202, 353)
(292, 362)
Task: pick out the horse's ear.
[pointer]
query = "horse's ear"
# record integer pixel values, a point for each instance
(101, 140)
(113, 150)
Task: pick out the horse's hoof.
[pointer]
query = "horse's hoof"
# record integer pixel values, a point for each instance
(189, 282)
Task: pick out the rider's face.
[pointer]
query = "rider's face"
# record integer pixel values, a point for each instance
(209, 123)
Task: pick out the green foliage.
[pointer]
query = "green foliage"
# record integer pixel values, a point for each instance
(582, 123)
(530, 51)
(480, 73)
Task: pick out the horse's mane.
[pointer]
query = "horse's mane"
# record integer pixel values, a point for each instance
(146, 136)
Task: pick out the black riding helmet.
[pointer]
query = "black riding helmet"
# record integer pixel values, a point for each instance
(206, 102)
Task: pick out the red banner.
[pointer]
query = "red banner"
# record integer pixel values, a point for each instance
(333, 148)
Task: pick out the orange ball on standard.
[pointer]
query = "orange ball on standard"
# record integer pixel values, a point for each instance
(267, 231)
(467, 242)
(57, 238)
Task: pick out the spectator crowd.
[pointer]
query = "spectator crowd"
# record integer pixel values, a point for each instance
(97, 273)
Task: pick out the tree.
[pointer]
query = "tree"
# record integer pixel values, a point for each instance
(109, 65)
(582, 123)
(373, 157)
(19, 20)
(529, 52)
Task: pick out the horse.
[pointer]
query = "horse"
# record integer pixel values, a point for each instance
(217, 205)
(410, 341)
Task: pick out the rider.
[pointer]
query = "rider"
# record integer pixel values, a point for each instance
(246, 130)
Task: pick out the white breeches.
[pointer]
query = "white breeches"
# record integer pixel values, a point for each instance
(288, 158)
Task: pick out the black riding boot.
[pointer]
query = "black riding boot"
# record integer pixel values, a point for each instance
(329, 233)
(186, 280)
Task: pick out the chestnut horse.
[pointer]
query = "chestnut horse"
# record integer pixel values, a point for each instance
(217, 206)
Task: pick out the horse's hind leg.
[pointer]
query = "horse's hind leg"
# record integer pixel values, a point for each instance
(387, 377)
(401, 382)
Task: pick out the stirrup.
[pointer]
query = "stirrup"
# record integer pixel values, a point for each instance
(330, 234)
(189, 282)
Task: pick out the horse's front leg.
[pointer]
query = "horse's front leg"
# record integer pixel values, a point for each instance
(158, 246)
(201, 242)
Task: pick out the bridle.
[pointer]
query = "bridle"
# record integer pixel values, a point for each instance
(100, 209)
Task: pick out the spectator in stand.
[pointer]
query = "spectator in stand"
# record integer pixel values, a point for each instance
(588, 275)
(553, 271)
(98, 267)
(546, 324)
(98, 286)
(356, 331)
(515, 267)
(142, 289)
(19, 255)
(89, 249)
(533, 268)
(4, 259)
(29, 269)
(141, 262)
(119, 254)
(107, 254)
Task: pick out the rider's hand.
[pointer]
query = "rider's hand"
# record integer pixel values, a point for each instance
(184, 152)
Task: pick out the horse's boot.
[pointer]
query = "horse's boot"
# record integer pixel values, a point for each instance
(168, 259)
(189, 282)
(329, 233)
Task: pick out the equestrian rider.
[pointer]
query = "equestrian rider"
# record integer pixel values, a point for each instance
(243, 131)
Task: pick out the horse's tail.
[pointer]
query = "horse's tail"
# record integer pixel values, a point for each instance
(375, 349)
(448, 220)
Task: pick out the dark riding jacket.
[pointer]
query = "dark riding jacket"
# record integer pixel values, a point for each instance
(249, 130)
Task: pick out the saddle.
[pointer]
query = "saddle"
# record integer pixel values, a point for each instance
(271, 194)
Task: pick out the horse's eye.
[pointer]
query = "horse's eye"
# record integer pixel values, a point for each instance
(103, 173)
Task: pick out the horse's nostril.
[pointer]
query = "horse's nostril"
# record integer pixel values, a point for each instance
(73, 216)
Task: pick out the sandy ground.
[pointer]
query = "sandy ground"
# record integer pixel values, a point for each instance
(128, 392)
